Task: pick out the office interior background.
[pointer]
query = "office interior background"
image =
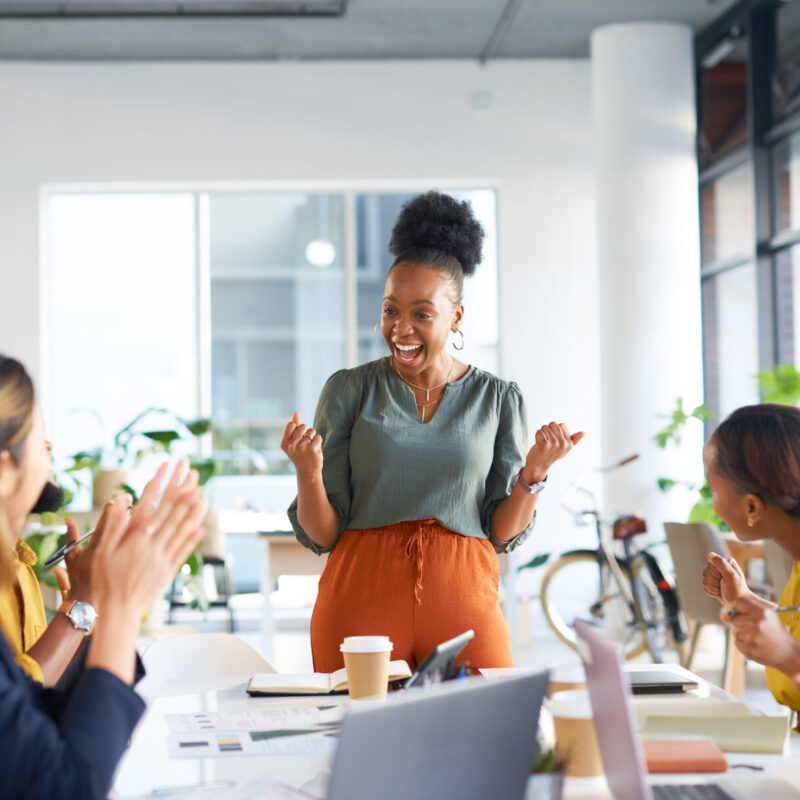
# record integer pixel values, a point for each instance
(194, 212)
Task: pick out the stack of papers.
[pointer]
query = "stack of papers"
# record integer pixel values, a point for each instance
(733, 727)
(284, 730)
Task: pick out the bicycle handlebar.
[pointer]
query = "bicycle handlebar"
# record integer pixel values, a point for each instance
(588, 510)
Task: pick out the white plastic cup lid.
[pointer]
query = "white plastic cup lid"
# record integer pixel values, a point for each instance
(366, 644)
(567, 673)
(572, 704)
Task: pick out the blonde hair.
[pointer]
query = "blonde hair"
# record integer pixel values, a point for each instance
(17, 407)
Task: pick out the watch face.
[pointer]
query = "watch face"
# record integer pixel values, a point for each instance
(83, 616)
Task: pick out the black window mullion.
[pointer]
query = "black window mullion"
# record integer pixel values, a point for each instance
(759, 90)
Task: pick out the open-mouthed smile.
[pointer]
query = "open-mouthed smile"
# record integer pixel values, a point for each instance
(407, 353)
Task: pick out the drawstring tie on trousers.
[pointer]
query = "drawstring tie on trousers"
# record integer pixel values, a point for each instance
(414, 551)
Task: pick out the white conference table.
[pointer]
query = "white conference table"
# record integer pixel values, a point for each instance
(146, 766)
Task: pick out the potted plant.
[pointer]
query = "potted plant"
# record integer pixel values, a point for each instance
(108, 469)
(138, 442)
(131, 444)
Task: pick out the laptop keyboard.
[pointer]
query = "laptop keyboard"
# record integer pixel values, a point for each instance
(690, 791)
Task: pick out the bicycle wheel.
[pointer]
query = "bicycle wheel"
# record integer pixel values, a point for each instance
(576, 587)
(650, 608)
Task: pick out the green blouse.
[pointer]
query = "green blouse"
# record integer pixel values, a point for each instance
(382, 465)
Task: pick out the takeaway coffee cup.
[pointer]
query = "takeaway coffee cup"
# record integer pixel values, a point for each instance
(565, 677)
(576, 741)
(366, 659)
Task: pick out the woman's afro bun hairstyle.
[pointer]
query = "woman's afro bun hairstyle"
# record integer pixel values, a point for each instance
(433, 224)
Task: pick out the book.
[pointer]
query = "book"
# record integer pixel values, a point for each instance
(732, 726)
(683, 755)
(278, 683)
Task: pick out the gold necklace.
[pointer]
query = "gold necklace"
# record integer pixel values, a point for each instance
(428, 402)
(423, 388)
(423, 406)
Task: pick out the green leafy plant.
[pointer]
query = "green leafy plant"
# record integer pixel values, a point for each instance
(672, 433)
(131, 444)
(44, 544)
(779, 385)
(134, 442)
(537, 561)
(673, 430)
(547, 759)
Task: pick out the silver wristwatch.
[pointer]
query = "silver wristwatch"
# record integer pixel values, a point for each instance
(530, 488)
(81, 615)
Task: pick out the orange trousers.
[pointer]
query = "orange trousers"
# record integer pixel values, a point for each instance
(416, 582)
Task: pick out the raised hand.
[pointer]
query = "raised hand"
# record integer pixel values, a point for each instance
(758, 634)
(303, 445)
(551, 443)
(723, 578)
(136, 556)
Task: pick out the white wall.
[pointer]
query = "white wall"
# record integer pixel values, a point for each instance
(185, 122)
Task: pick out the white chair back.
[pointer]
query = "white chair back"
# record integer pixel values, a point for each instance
(190, 663)
(779, 567)
(690, 543)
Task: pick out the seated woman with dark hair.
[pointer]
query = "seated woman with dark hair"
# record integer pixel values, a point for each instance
(753, 469)
(65, 742)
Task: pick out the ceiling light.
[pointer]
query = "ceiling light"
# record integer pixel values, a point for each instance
(722, 49)
(320, 253)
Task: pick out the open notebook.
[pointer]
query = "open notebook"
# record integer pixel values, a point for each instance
(313, 682)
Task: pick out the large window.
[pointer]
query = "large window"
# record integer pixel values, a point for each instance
(730, 332)
(749, 154)
(116, 346)
(238, 305)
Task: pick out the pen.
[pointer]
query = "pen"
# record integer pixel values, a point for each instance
(777, 610)
(67, 548)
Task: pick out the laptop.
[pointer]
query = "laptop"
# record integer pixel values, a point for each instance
(658, 681)
(469, 739)
(620, 750)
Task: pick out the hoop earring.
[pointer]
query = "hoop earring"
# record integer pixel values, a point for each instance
(459, 346)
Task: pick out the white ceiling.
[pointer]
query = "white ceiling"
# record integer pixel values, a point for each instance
(368, 29)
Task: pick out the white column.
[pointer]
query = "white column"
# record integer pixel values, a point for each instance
(648, 258)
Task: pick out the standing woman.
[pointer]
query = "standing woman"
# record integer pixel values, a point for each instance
(753, 469)
(415, 471)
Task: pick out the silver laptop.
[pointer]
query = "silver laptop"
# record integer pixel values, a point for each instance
(472, 740)
(623, 760)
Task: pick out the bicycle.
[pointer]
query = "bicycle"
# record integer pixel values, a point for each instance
(630, 597)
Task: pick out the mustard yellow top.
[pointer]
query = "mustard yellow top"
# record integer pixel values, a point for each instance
(22, 616)
(781, 686)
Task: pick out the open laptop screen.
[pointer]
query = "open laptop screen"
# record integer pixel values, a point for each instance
(614, 720)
